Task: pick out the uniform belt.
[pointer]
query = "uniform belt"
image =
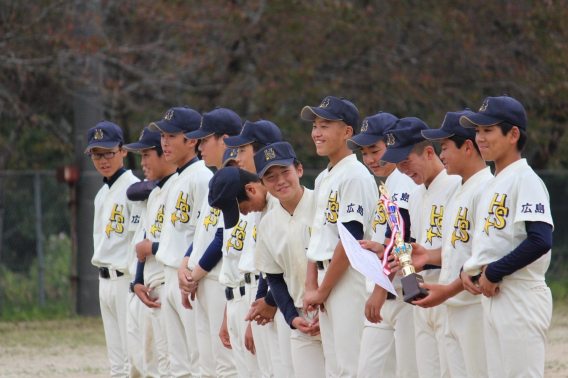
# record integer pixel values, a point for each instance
(390, 296)
(105, 273)
(230, 292)
(247, 277)
(321, 264)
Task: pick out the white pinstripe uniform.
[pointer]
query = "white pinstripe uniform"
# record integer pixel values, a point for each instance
(388, 348)
(518, 317)
(426, 209)
(111, 236)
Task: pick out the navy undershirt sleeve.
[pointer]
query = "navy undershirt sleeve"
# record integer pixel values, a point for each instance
(406, 216)
(355, 228)
(280, 291)
(189, 250)
(213, 254)
(139, 278)
(262, 289)
(537, 243)
(155, 246)
(269, 299)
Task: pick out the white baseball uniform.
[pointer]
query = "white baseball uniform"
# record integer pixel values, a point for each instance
(215, 359)
(188, 191)
(426, 209)
(343, 193)
(287, 254)
(111, 236)
(518, 317)
(388, 348)
(465, 341)
(238, 247)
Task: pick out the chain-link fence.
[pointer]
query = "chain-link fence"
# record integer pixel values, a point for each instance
(35, 246)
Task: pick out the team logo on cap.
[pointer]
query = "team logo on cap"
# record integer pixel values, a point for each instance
(324, 103)
(269, 154)
(484, 105)
(169, 114)
(390, 139)
(141, 135)
(99, 134)
(365, 126)
(233, 152)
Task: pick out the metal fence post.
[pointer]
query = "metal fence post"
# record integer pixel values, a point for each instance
(39, 238)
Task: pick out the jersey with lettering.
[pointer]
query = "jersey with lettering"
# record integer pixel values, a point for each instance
(515, 196)
(154, 222)
(426, 210)
(457, 240)
(210, 220)
(111, 226)
(286, 253)
(237, 242)
(188, 192)
(345, 193)
(137, 216)
(399, 186)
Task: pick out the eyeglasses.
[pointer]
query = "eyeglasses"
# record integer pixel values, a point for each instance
(107, 155)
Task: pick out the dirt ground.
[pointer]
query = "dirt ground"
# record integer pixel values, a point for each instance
(76, 348)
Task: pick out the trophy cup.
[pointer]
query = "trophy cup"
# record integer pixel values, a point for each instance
(411, 289)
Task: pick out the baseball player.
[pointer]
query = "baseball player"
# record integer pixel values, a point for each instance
(187, 190)
(253, 137)
(344, 192)
(387, 346)
(511, 244)
(415, 156)
(150, 278)
(111, 238)
(205, 254)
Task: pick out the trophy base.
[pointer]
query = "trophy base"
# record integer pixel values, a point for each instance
(411, 289)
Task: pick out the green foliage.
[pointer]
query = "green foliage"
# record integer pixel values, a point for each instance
(559, 289)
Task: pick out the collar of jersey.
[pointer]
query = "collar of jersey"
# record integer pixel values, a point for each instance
(439, 180)
(346, 160)
(474, 180)
(519, 164)
(114, 177)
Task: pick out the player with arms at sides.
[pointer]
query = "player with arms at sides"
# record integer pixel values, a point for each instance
(202, 261)
(415, 156)
(387, 346)
(344, 192)
(150, 277)
(187, 189)
(511, 244)
(111, 237)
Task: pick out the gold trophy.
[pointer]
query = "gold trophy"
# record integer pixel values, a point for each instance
(411, 289)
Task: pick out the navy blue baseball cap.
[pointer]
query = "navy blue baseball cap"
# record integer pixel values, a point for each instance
(495, 110)
(104, 135)
(177, 120)
(333, 109)
(451, 126)
(401, 139)
(219, 121)
(280, 153)
(223, 189)
(261, 131)
(148, 139)
(229, 155)
(373, 130)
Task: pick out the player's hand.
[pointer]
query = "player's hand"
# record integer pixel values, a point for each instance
(488, 288)
(249, 340)
(143, 250)
(186, 283)
(468, 283)
(224, 334)
(304, 326)
(315, 324)
(142, 292)
(438, 295)
(374, 305)
(420, 257)
(314, 299)
(372, 246)
(261, 312)
(185, 302)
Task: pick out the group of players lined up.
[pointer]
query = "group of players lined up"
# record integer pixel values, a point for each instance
(242, 272)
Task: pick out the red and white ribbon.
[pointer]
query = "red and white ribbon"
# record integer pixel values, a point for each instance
(397, 223)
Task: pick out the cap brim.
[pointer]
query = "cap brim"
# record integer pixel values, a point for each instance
(309, 113)
(436, 134)
(198, 134)
(228, 161)
(236, 141)
(138, 146)
(395, 155)
(475, 120)
(231, 214)
(283, 162)
(362, 140)
(105, 145)
(165, 127)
